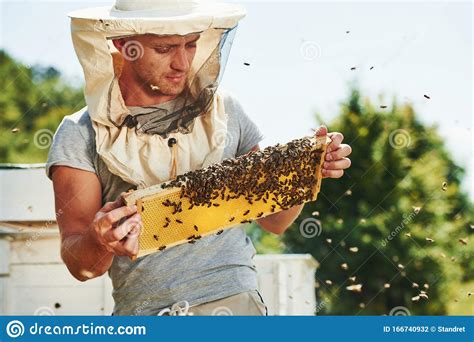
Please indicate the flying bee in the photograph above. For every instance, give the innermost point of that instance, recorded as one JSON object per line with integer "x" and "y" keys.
{"x": 354, "y": 288}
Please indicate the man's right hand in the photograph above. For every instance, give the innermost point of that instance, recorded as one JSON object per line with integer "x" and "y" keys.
{"x": 91, "y": 233}
{"x": 116, "y": 227}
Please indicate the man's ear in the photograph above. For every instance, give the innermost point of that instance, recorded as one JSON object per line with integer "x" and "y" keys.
{"x": 118, "y": 43}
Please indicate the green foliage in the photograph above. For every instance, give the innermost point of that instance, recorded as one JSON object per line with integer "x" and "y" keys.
{"x": 401, "y": 190}
{"x": 33, "y": 101}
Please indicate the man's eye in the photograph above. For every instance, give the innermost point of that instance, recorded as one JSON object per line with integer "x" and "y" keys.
{"x": 191, "y": 46}
{"x": 162, "y": 49}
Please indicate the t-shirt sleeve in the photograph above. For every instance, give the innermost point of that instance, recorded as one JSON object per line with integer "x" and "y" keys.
{"x": 250, "y": 135}
{"x": 70, "y": 148}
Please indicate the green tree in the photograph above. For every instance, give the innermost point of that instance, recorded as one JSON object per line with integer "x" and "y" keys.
{"x": 395, "y": 218}
{"x": 33, "y": 101}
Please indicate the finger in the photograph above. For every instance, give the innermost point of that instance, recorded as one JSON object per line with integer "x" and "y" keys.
{"x": 115, "y": 215}
{"x": 118, "y": 233}
{"x": 131, "y": 244}
{"x": 336, "y": 138}
{"x": 110, "y": 206}
{"x": 343, "y": 151}
{"x": 119, "y": 250}
{"x": 321, "y": 130}
{"x": 332, "y": 173}
{"x": 340, "y": 164}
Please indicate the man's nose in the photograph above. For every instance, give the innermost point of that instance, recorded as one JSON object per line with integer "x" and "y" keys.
{"x": 180, "y": 60}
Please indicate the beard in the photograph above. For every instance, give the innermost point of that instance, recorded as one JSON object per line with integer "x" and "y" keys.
{"x": 168, "y": 87}
{"x": 159, "y": 83}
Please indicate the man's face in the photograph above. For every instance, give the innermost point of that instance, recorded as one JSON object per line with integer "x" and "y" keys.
{"x": 164, "y": 63}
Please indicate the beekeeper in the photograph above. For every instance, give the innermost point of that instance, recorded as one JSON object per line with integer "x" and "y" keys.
{"x": 154, "y": 111}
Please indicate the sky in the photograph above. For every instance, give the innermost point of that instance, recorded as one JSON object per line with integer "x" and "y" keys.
{"x": 300, "y": 57}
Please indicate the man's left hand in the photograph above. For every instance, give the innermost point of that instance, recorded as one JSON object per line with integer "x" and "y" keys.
{"x": 336, "y": 155}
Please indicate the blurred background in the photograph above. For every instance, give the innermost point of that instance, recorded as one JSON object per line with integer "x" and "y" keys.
{"x": 395, "y": 232}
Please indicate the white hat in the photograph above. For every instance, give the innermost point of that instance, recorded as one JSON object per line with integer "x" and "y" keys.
{"x": 175, "y": 16}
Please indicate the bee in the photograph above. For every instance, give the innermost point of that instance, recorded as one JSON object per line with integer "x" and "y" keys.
{"x": 215, "y": 204}
{"x": 232, "y": 219}
{"x": 423, "y": 295}
{"x": 427, "y": 97}
{"x": 246, "y": 212}
{"x": 444, "y": 186}
{"x": 155, "y": 237}
{"x": 161, "y": 248}
{"x": 354, "y": 288}
{"x": 196, "y": 228}
{"x": 166, "y": 224}
{"x": 220, "y": 232}
{"x": 192, "y": 241}
{"x": 179, "y": 221}
{"x": 260, "y": 215}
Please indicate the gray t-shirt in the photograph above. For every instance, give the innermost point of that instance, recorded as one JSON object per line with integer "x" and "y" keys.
{"x": 214, "y": 267}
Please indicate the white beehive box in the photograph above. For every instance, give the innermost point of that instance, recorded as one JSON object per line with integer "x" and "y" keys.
{"x": 34, "y": 280}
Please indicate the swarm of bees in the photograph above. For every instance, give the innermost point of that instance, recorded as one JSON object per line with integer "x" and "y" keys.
{"x": 203, "y": 186}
